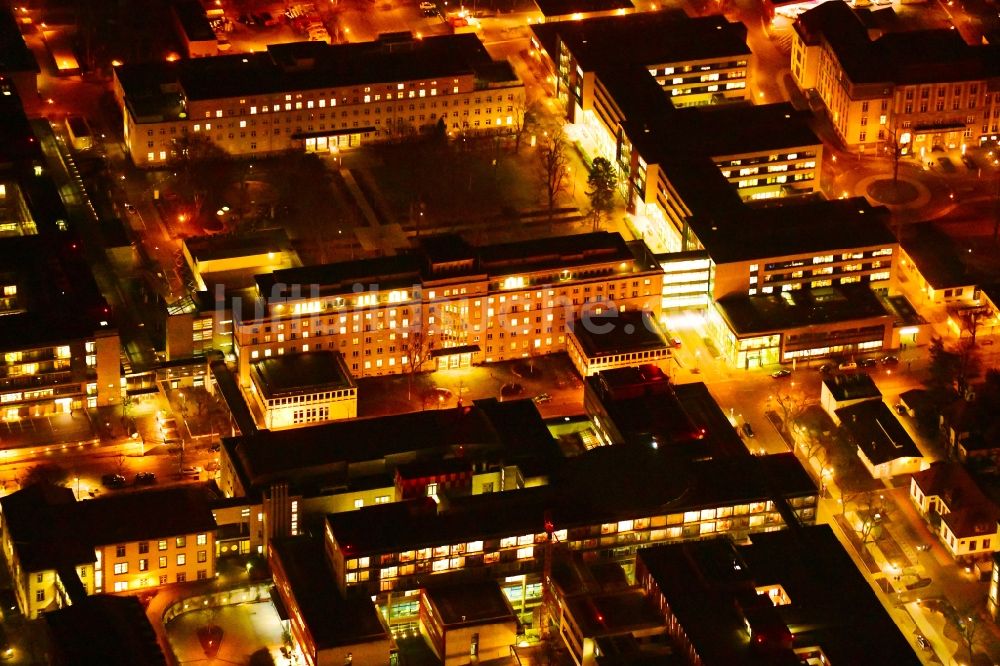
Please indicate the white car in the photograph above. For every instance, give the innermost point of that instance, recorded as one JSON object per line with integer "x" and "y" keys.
{"x": 427, "y": 6}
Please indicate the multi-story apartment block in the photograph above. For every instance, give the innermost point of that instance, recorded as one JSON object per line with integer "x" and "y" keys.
{"x": 59, "y": 349}
{"x": 928, "y": 88}
{"x": 446, "y": 299}
{"x": 316, "y": 97}
{"x": 59, "y": 549}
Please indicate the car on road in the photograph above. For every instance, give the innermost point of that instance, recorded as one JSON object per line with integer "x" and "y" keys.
{"x": 900, "y": 409}
{"x": 923, "y": 547}
{"x": 129, "y": 208}
{"x": 190, "y": 471}
{"x": 145, "y": 478}
{"x": 988, "y": 342}
{"x": 676, "y": 342}
{"x": 946, "y": 164}
{"x": 848, "y": 365}
{"x": 113, "y": 481}
{"x": 748, "y": 430}
{"x": 867, "y": 363}
{"x": 969, "y": 163}
{"x": 890, "y": 360}
{"x": 542, "y": 397}
{"x": 923, "y": 642}
{"x": 512, "y": 389}
{"x": 826, "y": 368}
{"x": 428, "y": 8}
{"x": 781, "y": 374}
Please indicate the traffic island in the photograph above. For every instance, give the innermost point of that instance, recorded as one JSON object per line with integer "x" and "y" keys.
{"x": 898, "y": 193}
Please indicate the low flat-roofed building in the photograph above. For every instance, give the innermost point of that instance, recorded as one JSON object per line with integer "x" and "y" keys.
{"x": 614, "y": 495}
{"x": 883, "y": 444}
{"x": 844, "y": 390}
{"x": 102, "y": 629}
{"x": 295, "y": 390}
{"x": 192, "y": 26}
{"x": 58, "y": 548}
{"x": 234, "y": 260}
{"x": 934, "y": 269}
{"x": 967, "y": 518}
{"x": 467, "y": 620}
{"x": 640, "y": 407}
{"x": 801, "y": 324}
{"x": 618, "y": 339}
{"x": 587, "y": 618}
{"x": 770, "y": 602}
{"x": 329, "y": 628}
{"x": 575, "y": 10}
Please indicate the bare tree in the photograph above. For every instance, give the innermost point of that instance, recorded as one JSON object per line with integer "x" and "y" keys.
{"x": 894, "y": 151}
{"x": 873, "y": 509}
{"x": 521, "y": 118}
{"x": 791, "y": 406}
{"x": 121, "y": 464}
{"x": 416, "y": 349}
{"x": 45, "y": 473}
{"x": 553, "y": 163}
{"x": 967, "y": 623}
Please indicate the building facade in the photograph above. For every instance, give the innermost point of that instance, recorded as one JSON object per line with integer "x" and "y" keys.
{"x": 925, "y": 89}
{"x": 512, "y": 301}
{"x": 305, "y": 96}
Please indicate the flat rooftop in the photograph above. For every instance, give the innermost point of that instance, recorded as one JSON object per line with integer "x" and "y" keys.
{"x": 613, "y": 613}
{"x": 469, "y": 603}
{"x": 790, "y": 227}
{"x": 325, "y": 454}
{"x": 711, "y": 587}
{"x": 735, "y": 129}
{"x": 799, "y": 308}
{"x": 104, "y": 629}
{"x": 302, "y": 373}
{"x": 57, "y": 300}
{"x": 936, "y": 257}
{"x": 877, "y": 432}
{"x": 550, "y": 8}
{"x": 852, "y": 386}
{"x": 618, "y": 333}
{"x": 231, "y": 246}
{"x": 191, "y": 16}
{"x": 683, "y": 419}
{"x": 333, "y": 619}
{"x": 606, "y": 484}
{"x": 653, "y": 38}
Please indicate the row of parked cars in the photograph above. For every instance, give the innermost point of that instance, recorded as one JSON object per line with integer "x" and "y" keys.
{"x": 844, "y": 366}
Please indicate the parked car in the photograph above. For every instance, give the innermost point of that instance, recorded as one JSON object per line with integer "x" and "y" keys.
{"x": 923, "y": 547}
{"x": 113, "y": 481}
{"x": 748, "y": 430}
{"x": 145, "y": 478}
{"x": 676, "y": 342}
{"x": 969, "y": 162}
{"x": 946, "y": 164}
{"x": 190, "y": 471}
{"x": 848, "y": 365}
{"x": 826, "y": 368}
{"x": 781, "y": 374}
{"x": 867, "y": 363}
{"x": 901, "y": 409}
{"x": 542, "y": 397}
{"x": 923, "y": 642}
{"x": 890, "y": 360}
